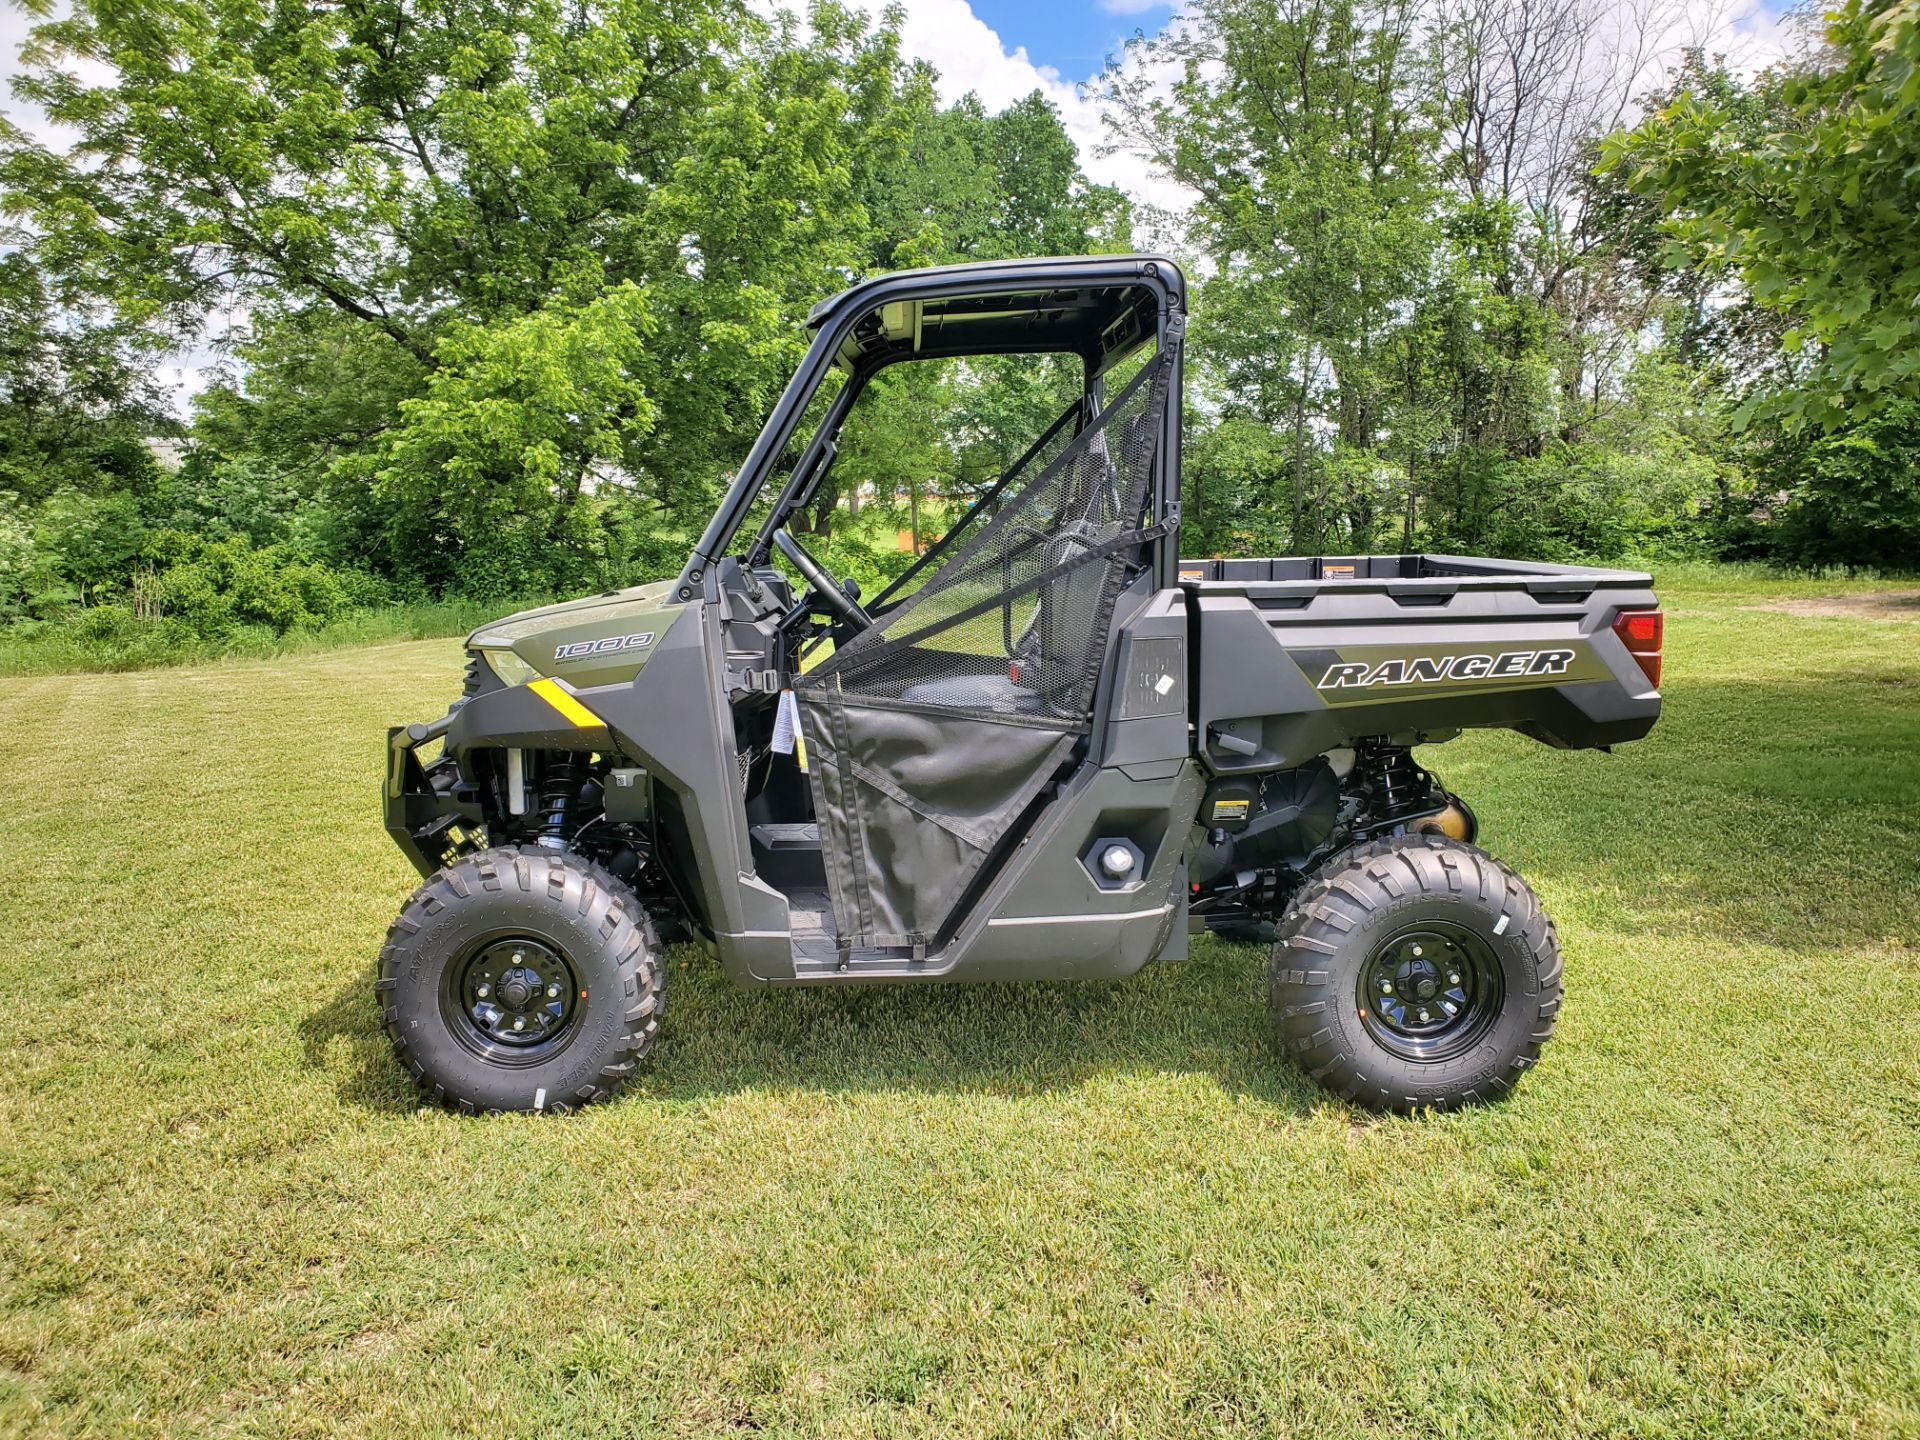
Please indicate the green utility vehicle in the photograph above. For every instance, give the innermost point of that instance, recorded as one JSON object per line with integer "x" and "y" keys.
{"x": 1050, "y": 750}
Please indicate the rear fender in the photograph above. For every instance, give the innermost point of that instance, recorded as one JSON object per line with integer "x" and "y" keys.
{"x": 1278, "y": 684}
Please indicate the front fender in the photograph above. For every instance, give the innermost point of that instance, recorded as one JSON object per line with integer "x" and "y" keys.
{"x": 672, "y": 719}
{"x": 542, "y": 715}
{"x": 424, "y": 806}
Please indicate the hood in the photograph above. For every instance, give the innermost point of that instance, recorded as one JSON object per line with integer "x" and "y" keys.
{"x": 607, "y": 606}
{"x": 598, "y": 640}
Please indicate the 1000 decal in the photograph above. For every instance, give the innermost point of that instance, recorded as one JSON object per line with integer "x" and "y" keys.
{"x": 609, "y": 645}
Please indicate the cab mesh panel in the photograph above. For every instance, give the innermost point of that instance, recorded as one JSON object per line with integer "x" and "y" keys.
{"x": 1013, "y": 623}
{"x": 1043, "y": 452}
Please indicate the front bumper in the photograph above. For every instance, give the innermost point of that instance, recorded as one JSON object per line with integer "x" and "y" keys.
{"x": 427, "y": 816}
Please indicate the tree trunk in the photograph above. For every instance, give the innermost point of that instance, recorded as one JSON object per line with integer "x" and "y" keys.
{"x": 1300, "y": 457}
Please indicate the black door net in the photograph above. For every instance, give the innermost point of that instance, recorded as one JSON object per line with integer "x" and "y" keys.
{"x": 1042, "y": 453}
{"x": 934, "y": 729}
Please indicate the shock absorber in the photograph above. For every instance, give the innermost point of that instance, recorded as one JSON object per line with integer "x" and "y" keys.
{"x": 561, "y": 776}
{"x": 1399, "y": 786}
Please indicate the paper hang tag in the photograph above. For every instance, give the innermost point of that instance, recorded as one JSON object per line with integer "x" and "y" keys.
{"x": 786, "y": 723}
{"x": 787, "y": 736}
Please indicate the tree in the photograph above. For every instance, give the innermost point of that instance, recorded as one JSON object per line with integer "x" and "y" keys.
{"x": 77, "y": 395}
{"x": 1814, "y": 213}
{"x": 478, "y": 185}
{"x": 1292, "y": 121}
{"x": 966, "y": 185}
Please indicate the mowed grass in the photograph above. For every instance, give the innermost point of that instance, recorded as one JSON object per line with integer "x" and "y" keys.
{"x": 960, "y": 1212}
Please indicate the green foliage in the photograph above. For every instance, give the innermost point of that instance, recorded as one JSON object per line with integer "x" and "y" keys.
{"x": 1813, "y": 211}
{"x": 216, "y": 585}
{"x": 113, "y": 637}
{"x": 1403, "y": 340}
{"x": 1850, "y": 499}
{"x": 484, "y": 474}
{"x": 520, "y": 282}
{"x": 247, "y": 496}
{"x": 1236, "y": 473}
{"x": 75, "y": 396}
{"x": 19, "y": 563}
{"x": 447, "y": 191}
{"x": 1316, "y": 206}
{"x": 91, "y": 541}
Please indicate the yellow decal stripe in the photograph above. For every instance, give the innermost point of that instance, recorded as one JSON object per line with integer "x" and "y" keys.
{"x": 562, "y": 699}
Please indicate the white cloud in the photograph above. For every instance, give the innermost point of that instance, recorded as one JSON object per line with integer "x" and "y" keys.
{"x": 1751, "y": 35}
{"x": 971, "y": 56}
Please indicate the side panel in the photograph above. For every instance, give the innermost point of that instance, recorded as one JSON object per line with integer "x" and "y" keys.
{"x": 1051, "y": 913}
{"x": 1051, "y": 920}
{"x": 1288, "y": 671}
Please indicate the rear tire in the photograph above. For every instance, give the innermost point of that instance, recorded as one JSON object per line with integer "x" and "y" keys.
{"x": 521, "y": 979}
{"x": 1415, "y": 973}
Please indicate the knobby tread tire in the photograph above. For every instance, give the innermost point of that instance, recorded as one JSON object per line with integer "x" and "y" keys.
{"x": 1324, "y": 939}
{"x": 605, "y": 915}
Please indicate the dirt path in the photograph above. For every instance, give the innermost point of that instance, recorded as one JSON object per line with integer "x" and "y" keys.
{"x": 1876, "y": 605}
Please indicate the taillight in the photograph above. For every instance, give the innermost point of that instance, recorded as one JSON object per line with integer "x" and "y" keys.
{"x": 1641, "y": 631}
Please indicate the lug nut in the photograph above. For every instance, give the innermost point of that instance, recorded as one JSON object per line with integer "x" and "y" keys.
{"x": 1423, "y": 1015}
{"x": 1417, "y": 950}
{"x": 1386, "y": 987}
{"x": 1453, "y": 978}
{"x": 484, "y": 991}
{"x": 553, "y": 992}
{"x": 520, "y": 1021}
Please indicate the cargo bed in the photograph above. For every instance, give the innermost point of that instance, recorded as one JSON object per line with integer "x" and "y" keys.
{"x": 1318, "y": 569}
{"x": 1299, "y": 654}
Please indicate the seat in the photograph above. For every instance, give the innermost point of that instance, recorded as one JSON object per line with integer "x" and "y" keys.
{"x": 991, "y": 691}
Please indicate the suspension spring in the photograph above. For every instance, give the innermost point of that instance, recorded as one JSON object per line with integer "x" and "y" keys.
{"x": 560, "y": 780}
{"x": 1399, "y": 786}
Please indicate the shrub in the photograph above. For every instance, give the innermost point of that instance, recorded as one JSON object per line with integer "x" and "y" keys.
{"x": 216, "y": 585}
{"x": 103, "y": 622}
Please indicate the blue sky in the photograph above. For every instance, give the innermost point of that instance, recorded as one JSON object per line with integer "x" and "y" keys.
{"x": 1071, "y": 36}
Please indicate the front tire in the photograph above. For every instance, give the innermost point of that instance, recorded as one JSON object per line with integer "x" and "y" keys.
{"x": 521, "y": 979}
{"x": 1415, "y": 973}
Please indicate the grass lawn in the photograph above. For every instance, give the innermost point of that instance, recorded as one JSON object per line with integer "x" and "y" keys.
{"x": 1103, "y": 1210}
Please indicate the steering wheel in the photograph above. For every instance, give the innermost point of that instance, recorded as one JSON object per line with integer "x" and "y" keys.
{"x": 823, "y": 584}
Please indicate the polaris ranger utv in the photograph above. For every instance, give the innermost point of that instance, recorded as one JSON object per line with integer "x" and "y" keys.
{"x": 1049, "y": 750}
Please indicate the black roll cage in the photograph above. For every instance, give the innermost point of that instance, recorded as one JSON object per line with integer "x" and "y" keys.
{"x": 833, "y": 322}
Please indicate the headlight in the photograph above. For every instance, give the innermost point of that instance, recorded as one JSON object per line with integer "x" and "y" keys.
{"x": 511, "y": 669}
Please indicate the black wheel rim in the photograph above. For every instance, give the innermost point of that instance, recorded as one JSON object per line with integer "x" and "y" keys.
{"x": 1431, "y": 991}
{"x": 513, "y": 999}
